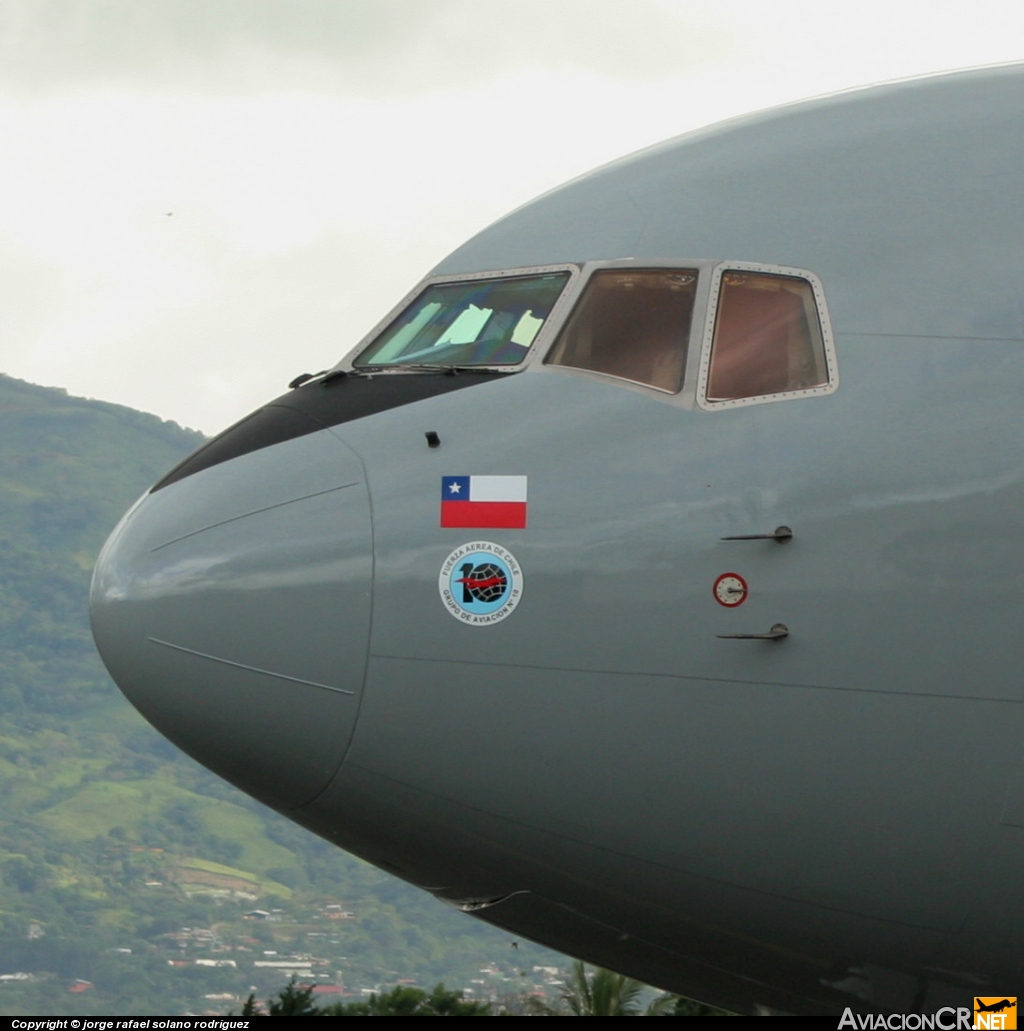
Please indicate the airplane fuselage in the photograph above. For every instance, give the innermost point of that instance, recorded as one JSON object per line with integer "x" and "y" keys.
{"x": 626, "y": 763}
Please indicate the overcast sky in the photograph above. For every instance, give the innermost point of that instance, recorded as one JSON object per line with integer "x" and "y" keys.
{"x": 200, "y": 199}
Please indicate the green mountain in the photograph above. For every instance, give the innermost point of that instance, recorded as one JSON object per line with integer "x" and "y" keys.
{"x": 131, "y": 880}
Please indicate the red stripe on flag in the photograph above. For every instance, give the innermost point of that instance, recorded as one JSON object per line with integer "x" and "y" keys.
{"x": 483, "y": 515}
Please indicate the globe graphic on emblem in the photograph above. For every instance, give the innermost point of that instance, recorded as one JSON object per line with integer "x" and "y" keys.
{"x": 486, "y": 582}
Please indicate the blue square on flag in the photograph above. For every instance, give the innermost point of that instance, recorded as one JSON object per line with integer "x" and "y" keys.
{"x": 455, "y": 488}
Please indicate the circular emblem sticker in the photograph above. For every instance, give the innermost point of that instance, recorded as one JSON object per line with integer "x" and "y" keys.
{"x": 480, "y": 583}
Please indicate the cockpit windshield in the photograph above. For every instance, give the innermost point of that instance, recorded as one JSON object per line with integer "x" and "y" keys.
{"x": 477, "y": 322}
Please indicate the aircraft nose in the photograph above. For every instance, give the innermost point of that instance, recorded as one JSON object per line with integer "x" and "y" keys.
{"x": 232, "y": 608}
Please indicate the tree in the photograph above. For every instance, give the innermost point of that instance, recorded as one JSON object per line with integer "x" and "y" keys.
{"x": 402, "y": 1001}
{"x": 601, "y": 994}
{"x": 292, "y": 1001}
{"x": 607, "y": 994}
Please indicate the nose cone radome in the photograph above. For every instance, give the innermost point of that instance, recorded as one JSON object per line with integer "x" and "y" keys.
{"x": 232, "y": 608}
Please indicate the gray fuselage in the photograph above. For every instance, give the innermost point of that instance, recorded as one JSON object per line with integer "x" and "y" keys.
{"x": 832, "y": 819}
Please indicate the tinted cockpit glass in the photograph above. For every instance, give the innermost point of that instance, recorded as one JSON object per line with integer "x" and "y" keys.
{"x": 482, "y": 322}
{"x": 631, "y": 324}
{"x": 767, "y": 338}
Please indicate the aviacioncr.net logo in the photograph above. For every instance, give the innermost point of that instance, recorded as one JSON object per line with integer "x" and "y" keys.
{"x": 947, "y": 1018}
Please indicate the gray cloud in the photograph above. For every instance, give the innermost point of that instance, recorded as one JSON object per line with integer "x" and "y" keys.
{"x": 373, "y": 47}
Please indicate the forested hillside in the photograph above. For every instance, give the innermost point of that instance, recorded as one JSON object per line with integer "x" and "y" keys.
{"x": 131, "y": 880}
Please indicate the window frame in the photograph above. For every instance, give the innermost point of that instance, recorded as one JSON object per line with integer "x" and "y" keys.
{"x": 693, "y": 393}
{"x": 684, "y": 397}
{"x": 594, "y": 268}
{"x": 539, "y": 346}
{"x": 713, "y": 295}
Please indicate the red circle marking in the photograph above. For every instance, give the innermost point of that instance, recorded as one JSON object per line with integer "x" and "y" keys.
{"x": 736, "y": 596}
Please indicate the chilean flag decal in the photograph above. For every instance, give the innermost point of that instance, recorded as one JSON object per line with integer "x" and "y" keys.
{"x": 483, "y": 502}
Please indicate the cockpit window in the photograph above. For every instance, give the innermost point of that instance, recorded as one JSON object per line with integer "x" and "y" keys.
{"x": 479, "y": 322}
{"x": 633, "y": 324}
{"x": 767, "y": 338}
